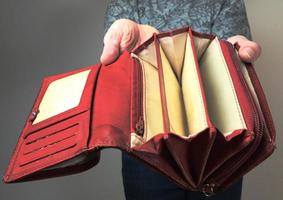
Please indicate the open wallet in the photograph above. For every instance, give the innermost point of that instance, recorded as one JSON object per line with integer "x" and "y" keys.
{"x": 182, "y": 103}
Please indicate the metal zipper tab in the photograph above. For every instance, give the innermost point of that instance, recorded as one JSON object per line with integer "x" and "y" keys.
{"x": 138, "y": 100}
{"x": 33, "y": 115}
{"x": 208, "y": 189}
{"x": 139, "y": 128}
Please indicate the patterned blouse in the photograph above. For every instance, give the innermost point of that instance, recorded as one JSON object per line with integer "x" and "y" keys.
{"x": 223, "y": 18}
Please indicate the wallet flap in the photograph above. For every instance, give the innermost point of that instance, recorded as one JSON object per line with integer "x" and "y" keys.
{"x": 62, "y": 129}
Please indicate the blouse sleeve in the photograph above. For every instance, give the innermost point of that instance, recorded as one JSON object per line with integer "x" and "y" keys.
{"x": 232, "y": 20}
{"x": 119, "y": 9}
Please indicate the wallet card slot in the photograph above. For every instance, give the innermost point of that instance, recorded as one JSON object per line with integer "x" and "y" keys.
{"x": 48, "y": 144}
{"x": 49, "y": 139}
{"x": 49, "y": 151}
{"x": 48, "y": 132}
{"x": 71, "y": 133}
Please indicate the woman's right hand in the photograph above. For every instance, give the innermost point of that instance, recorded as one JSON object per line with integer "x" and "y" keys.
{"x": 122, "y": 35}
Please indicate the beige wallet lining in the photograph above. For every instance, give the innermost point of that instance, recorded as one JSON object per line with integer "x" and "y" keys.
{"x": 185, "y": 104}
{"x": 54, "y": 100}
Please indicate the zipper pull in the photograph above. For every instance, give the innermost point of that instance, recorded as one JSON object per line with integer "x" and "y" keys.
{"x": 139, "y": 128}
{"x": 208, "y": 189}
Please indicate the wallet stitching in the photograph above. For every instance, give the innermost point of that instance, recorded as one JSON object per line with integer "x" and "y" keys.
{"x": 231, "y": 84}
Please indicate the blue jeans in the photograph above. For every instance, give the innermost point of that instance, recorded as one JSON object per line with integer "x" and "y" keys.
{"x": 142, "y": 183}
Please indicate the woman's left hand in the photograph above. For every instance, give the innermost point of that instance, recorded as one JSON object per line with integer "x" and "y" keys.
{"x": 249, "y": 51}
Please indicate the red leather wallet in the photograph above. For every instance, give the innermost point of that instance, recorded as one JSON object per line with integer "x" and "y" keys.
{"x": 182, "y": 103}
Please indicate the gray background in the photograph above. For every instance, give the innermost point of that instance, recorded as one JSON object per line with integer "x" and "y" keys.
{"x": 40, "y": 38}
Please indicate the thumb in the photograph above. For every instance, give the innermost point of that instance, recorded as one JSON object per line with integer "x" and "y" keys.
{"x": 112, "y": 40}
{"x": 249, "y": 51}
{"x": 122, "y": 35}
{"x": 247, "y": 54}
{"x": 110, "y": 53}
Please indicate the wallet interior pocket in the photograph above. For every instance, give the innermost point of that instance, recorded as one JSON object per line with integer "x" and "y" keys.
{"x": 198, "y": 91}
{"x": 182, "y": 96}
{"x": 223, "y": 104}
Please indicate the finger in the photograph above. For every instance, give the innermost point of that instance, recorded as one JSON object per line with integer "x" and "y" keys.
{"x": 247, "y": 54}
{"x": 146, "y": 32}
{"x": 121, "y": 36}
{"x": 130, "y": 36}
{"x": 110, "y": 53}
{"x": 237, "y": 38}
{"x": 111, "y": 49}
{"x": 249, "y": 51}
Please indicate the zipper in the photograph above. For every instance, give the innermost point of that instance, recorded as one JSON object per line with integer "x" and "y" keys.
{"x": 259, "y": 128}
{"x": 138, "y": 91}
{"x": 241, "y": 160}
{"x": 208, "y": 189}
{"x": 266, "y": 114}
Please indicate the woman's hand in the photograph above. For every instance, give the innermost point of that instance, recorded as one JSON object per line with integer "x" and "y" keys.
{"x": 249, "y": 51}
{"x": 123, "y": 35}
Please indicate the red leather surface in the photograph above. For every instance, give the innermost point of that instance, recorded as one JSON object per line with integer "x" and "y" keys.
{"x": 111, "y": 105}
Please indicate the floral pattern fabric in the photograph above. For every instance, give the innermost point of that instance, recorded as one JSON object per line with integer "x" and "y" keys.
{"x": 223, "y": 18}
